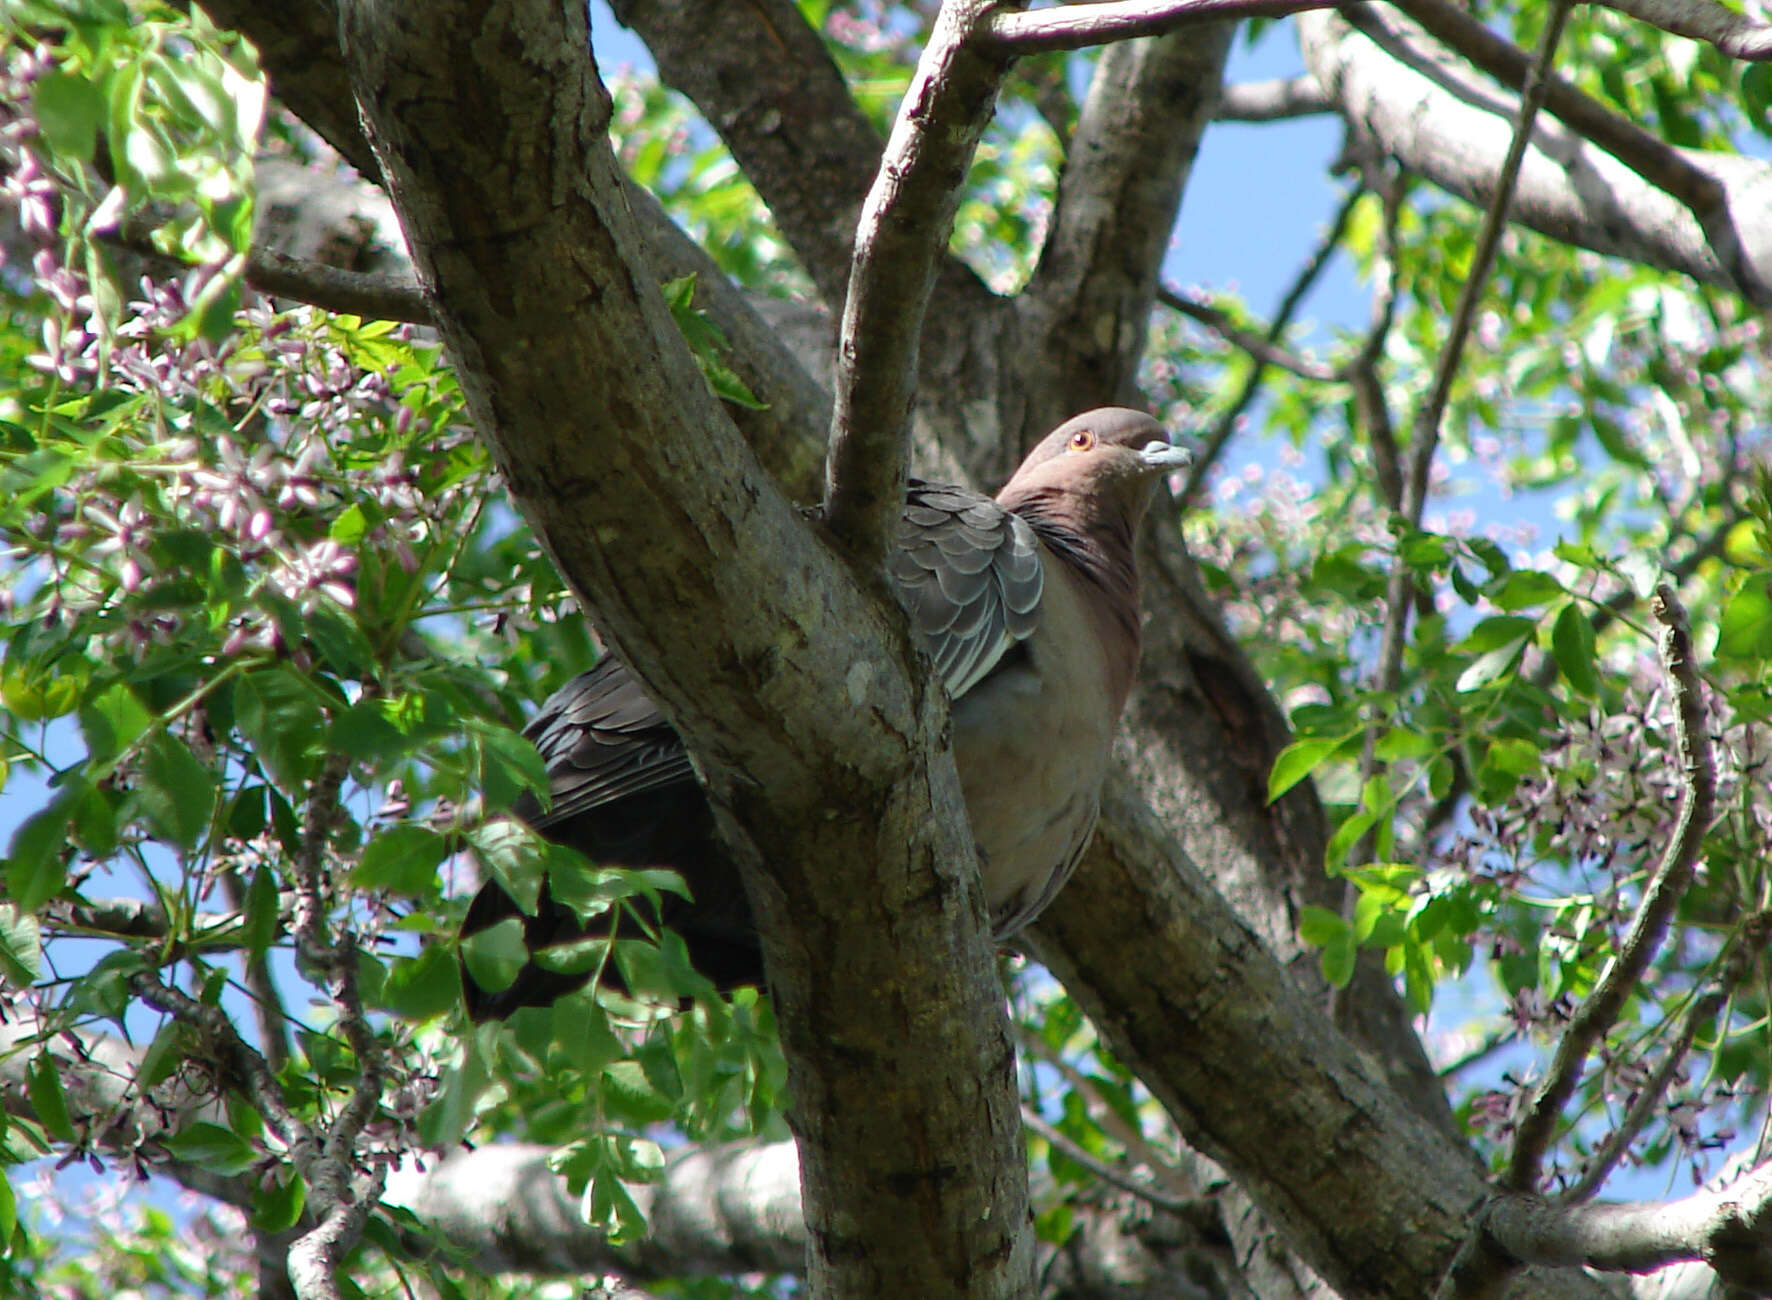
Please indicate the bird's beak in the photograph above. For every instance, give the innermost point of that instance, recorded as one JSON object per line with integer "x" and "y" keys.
{"x": 1166, "y": 457}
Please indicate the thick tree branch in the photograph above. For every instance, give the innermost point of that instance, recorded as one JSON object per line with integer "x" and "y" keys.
{"x": 1415, "y": 103}
{"x": 1730, "y": 1228}
{"x": 1737, "y": 35}
{"x": 1188, "y": 996}
{"x": 900, "y": 241}
{"x": 298, "y": 47}
{"x": 371, "y": 294}
{"x": 1642, "y": 151}
{"x": 764, "y": 80}
{"x": 492, "y": 130}
{"x": 1599, "y": 1011}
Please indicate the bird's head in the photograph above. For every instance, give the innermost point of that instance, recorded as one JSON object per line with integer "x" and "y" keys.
{"x": 1102, "y": 462}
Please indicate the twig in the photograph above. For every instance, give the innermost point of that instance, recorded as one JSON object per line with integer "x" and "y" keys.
{"x": 1213, "y": 444}
{"x": 1742, "y": 957}
{"x": 900, "y": 240}
{"x": 1074, "y": 26}
{"x": 1737, "y": 35}
{"x": 1129, "y": 1136}
{"x": 1075, "y": 1152}
{"x": 1362, "y": 371}
{"x": 1598, "y": 1012}
{"x": 247, "y": 1069}
{"x": 267, "y": 1001}
{"x": 1271, "y": 101}
{"x": 1256, "y": 345}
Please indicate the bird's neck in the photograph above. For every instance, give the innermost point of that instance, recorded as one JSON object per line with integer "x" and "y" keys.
{"x": 1099, "y": 551}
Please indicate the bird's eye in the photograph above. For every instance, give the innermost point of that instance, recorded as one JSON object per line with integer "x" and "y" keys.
{"x": 1083, "y": 440}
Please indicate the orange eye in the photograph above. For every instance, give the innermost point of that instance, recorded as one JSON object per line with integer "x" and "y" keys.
{"x": 1082, "y": 440}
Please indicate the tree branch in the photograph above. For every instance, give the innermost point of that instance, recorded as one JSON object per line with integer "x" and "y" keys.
{"x": 764, "y": 80}
{"x": 1598, "y": 1011}
{"x": 1258, "y": 346}
{"x": 1409, "y": 97}
{"x": 374, "y": 295}
{"x": 1737, "y": 35}
{"x": 492, "y": 129}
{"x": 1272, "y": 101}
{"x": 901, "y": 239}
{"x": 1072, "y": 27}
{"x": 1727, "y": 1227}
{"x": 1739, "y": 960}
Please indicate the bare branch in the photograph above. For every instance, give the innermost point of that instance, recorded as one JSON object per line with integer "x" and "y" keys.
{"x": 1426, "y": 433}
{"x": 1272, "y": 101}
{"x": 901, "y": 239}
{"x": 1739, "y": 961}
{"x": 1078, "y": 1154}
{"x": 1072, "y": 27}
{"x": 1737, "y": 35}
{"x": 1654, "y": 160}
{"x": 1727, "y": 1227}
{"x": 1402, "y": 592}
{"x": 373, "y": 295}
{"x": 1598, "y": 1012}
{"x": 1256, "y": 345}
{"x": 246, "y": 1069}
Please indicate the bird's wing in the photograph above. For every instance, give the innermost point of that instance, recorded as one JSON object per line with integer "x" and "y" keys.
{"x": 969, "y": 575}
{"x": 968, "y": 572}
{"x": 602, "y": 739}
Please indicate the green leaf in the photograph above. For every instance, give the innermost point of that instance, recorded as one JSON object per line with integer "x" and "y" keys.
{"x": 70, "y": 110}
{"x": 21, "y": 947}
{"x": 112, "y": 721}
{"x": 262, "y": 918}
{"x": 212, "y": 1148}
{"x": 515, "y": 855}
{"x": 402, "y": 859}
{"x": 1526, "y": 588}
{"x": 1298, "y": 760}
{"x": 278, "y": 1207}
{"x": 36, "y": 868}
{"x": 1491, "y": 666}
{"x": 1338, "y": 960}
{"x": 423, "y": 986}
{"x": 509, "y": 764}
{"x": 1572, "y": 644}
{"x": 48, "y": 1103}
{"x": 494, "y": 955}
{"x": 176, "y": 791}
{"x": 8, "y": 1215}
{"x": 280, "y": 719}
{"x": 1319, "y": 927}
{"x": 1745, "y": 629}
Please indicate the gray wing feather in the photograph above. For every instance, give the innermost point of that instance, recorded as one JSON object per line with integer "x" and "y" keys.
{"x": 602, "y": 739}
{"x": 968, "y": 572}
